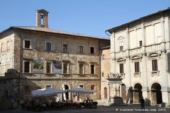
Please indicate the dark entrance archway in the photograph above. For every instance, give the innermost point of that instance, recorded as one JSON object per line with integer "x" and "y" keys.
{"x": 123, "y": 87}
{"x": 105, "y": 93}
{"x": 156, "y": 94}
{"x": 66, "y": 95}
{"x": 137, "y": 93}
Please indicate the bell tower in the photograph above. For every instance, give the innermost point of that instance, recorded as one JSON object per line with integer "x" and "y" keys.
{"x": 42, "y": 18}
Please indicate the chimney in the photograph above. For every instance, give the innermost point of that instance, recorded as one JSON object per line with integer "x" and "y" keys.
{"x": 42, "y": 18}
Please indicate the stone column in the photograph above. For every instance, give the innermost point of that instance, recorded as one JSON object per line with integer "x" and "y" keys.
{"x": 165, "y": 99}
{"x": 108, "y": 92}
{"x": 145, "y": 94}
{"x": 120, "y": 90}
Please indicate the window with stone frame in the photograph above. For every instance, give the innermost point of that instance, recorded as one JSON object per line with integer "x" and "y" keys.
{"x": 80, "y": 50}
{"x": 48, "y": 67}
{"x": 81, "y": 86}
{"x": 27, "y": 44}
{"x": 154, "y": 65}
{"x": 92, "y": 50}
{"x": 92, "y": 87}
{"x": 140, "y": 43}
{"x": 65, "y": 48}
{"x": 102, "y": 74}
{"x": 48, "y": 46}
{"x": 121, "y": 67}
{"x": 137, "y": 67}
{"x": 48, "y": 86}
{"x": 65, "y": 67}
{"x": 120, "y": 46}
{"x": 92, "y": 67}
{"x": 81, "y": 68}
{"x": 27, "y": 66}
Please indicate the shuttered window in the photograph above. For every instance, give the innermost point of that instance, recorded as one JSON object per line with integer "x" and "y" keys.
{"x": 154, "y": 65}
{"x": 137, "y": 67}
{"x": 121, "y": 68}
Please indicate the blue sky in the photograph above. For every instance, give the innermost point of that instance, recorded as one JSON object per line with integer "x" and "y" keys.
{"x": 90, "y": 17}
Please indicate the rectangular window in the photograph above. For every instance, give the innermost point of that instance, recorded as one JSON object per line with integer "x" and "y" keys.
{"x": 48, "y": 46}
{"x": 121, "y": 48}
{"x": 92, "y": 50}
{"x": 81, "y": 86}
{"x": 48, "y": 67}
{"x": 154, "y": 65}
{"x": 80, "y": 49}
{"x": 140, "y": 43}
{"x": 121, "y": 68}
{"x": 48, "y": 86}
{"x": 92, "y": 69}
{"x": 92, "y": 87}
{"x": 102, "y": 74}
{"x": 65, "y": 68}
{"x": 26, "y": 67}
{"x": 64, "y": 47}
{"x": 137, "y": 67}
{"x": 27, "y": 44}
{"x": 81, "y": 71}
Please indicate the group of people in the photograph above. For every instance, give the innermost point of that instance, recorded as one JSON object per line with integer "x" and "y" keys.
{"x": 55, "y": 104}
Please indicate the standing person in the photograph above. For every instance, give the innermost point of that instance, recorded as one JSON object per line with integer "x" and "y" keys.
{"x": 57, "y": 99}
{"x": 142, "y": 102}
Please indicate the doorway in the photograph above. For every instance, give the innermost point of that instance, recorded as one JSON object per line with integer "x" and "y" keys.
{"x": 156, "y": 94}
{"x": 137, "y": 93}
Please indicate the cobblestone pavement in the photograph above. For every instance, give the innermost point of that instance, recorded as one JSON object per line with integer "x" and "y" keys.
{"x": 101, "y": 109}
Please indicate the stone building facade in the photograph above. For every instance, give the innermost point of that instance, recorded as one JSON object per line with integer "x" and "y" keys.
{"x": 140, "y": 54}
{"x": 32, "y": 51}
{"x": 105, "y": 71}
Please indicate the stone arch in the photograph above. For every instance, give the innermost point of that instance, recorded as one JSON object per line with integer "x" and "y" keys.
{"x": 156, "y": 94}
{"x": 66, "y": 96}
{"x": 151, "y": 83}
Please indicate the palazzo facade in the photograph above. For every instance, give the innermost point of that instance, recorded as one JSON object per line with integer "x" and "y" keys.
{"x": 140, "y": 54}
{"x": 32, "y": 52}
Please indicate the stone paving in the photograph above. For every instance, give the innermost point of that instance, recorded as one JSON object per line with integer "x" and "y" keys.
{"x": 102, "y": 109}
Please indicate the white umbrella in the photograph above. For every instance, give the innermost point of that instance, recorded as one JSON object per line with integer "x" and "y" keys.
{"x": 79, "y": 90}
{"x": 46, "y": 92}
{"x": 35, "y": 92}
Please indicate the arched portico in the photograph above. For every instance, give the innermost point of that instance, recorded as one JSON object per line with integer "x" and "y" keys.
{"x": 137, "y": 93}
{"x": 156, "y": 94}
{"x": 67, "y": 95}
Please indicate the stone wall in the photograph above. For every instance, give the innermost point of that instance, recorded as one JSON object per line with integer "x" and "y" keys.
{"x": 105, "y": 72}
{"x": 30, "y": 81}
